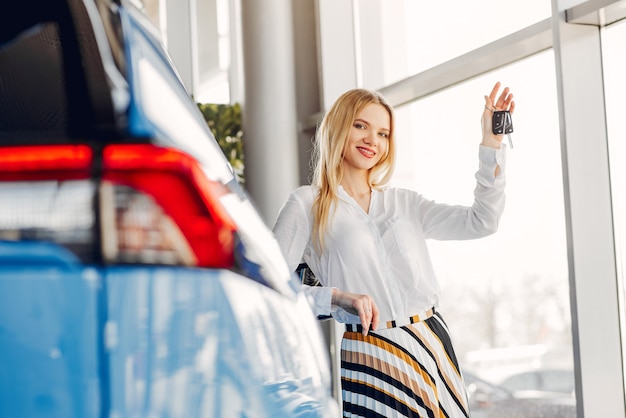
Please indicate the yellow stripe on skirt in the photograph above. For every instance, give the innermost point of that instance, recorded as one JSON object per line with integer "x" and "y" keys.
{"x": 407, "y": 371}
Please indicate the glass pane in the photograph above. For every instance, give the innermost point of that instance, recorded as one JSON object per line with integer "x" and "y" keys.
{"x": 615, "y": 87}
{"x": 435, "y": 32}
{"x": 504, "y": 297}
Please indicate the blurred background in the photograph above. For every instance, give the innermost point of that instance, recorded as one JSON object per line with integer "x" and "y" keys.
{"x": 539, "y": 306}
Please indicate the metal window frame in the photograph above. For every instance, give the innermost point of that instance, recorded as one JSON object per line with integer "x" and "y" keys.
{"x": 594, "y": 282}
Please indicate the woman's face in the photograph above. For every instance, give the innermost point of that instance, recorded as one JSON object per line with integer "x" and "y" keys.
{"x": 369, "y": 138}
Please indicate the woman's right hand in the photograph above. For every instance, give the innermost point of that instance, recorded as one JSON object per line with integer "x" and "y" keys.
{"x": 493, "y": 103}
{"x": 356, "y": 304}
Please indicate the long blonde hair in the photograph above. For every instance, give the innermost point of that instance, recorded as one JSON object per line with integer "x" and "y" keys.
{"x": 330, "y": 141}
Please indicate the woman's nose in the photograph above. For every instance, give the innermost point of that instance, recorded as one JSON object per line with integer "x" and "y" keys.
{"x": 371, "y": 138}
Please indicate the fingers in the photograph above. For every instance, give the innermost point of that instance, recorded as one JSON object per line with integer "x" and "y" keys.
{"x": 368, "y": 313}
{"x": 496, "y": 101}
{"x": 357, "y": 304}
{"x": 375, "y": 318}
{"x": 494, "y": 93}
{"x": 504, "y": 101}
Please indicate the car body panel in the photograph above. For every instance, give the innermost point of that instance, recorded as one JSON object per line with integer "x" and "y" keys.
{"x": 197, "y": 342}
{"x": 176, "y": 342}
{"x": 49, "y": 334}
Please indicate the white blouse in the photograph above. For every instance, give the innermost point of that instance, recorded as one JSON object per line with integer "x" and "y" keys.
{"x": 383, "y": 253}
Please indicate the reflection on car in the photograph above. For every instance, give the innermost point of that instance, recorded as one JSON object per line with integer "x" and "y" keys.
{"x": 136, "y": 277}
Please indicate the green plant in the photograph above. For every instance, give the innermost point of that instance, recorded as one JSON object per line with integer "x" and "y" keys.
{"x": 224, "y": 120}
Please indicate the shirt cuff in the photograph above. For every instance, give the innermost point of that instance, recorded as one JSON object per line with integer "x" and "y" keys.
{"x": 489, "y": 158}
{"x": 319, "y": 299}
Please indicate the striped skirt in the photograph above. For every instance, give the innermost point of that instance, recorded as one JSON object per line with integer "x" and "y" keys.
{"x": 406, "y": 371}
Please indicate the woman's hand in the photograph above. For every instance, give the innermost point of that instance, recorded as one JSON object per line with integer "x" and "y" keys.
{"x": 361, "y": 305}
{"x": 504, "y": 102}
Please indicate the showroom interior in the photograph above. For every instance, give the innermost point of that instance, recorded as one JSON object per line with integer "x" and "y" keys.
{"x": 546, "y": 291}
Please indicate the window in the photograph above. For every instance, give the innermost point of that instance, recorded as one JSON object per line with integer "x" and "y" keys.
{"x": 505, "y": 297}
{"x": 418, "y": 35}
{"x": 615, "y": 88}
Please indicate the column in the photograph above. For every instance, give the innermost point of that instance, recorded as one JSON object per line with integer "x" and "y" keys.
{"x": 269, "y": 107}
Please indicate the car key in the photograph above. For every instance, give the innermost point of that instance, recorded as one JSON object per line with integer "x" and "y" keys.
{"x": 502, "y": 123}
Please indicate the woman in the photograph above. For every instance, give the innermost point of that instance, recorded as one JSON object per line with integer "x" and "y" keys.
{"x": 365, "y": 242}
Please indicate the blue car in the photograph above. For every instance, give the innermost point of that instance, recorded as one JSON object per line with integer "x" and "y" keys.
{"x": 136, "y": 277}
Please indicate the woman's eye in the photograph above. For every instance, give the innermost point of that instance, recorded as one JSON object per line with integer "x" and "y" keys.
{"x": 384, "y": 134}
{"x": 359, "y": 125}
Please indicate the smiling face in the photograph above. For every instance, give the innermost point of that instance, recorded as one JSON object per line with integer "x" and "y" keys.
{"x": 368, "y": 140}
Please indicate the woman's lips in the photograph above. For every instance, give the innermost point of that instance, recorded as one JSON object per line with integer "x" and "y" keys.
{"x": 366, "y": 152}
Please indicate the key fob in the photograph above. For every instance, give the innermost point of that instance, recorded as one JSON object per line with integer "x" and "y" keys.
{"x": 501, "y": 122}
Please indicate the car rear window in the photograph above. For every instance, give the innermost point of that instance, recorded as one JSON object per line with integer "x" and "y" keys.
{"x": 32, "y": 98}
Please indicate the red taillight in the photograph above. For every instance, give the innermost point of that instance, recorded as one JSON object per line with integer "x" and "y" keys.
{"x": 60, "y": 162}
{"x": 156, "y": 205}
{"x": 176, "y": 183}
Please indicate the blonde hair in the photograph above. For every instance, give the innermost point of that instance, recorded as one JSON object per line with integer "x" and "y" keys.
{"x": 330, "y": 141}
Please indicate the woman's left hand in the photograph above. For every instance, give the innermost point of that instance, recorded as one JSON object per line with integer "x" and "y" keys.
{"x": 504, "y": 102}
{"x": 358, "y": 304}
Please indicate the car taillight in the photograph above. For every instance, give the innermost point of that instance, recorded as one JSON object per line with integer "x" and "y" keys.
{"x": 50, "y": 211}
{"x": 58, "y": 162}
{"x": 154, "y": 205}
{"x": 46, "y": 194}
{"x": 164, "y": 208}
{"x": 136, "y": 230}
